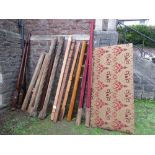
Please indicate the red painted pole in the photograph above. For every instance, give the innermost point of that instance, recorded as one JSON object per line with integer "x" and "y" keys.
{"x": 88, "y": 101}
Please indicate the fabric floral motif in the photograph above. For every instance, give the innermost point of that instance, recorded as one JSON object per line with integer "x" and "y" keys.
{"x": 118, "y": 68}
{"x": 118, "y": 105}
{"x": 118, "y": 85}
{"x": 101, "y": 68}
{"x": 100, "y": 103}
{"x": 118, "y": 124}
{"x": 99, "y": 122}
{"x": 112, "y": 102}
{"x": 118, "y": 50}
{"x": 100, "y": 85}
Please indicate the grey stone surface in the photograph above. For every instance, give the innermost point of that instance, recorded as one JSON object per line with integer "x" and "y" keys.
{"x": 144, "y": 74}
{"x": 105, "y": 38}
{"x": 10, "y": 59}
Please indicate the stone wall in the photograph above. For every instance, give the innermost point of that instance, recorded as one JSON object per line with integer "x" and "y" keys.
{"x": 10, "y": 59}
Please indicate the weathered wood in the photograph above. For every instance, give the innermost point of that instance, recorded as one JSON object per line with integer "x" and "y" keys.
{"x": 33, "y": 111}
{"x": 19, "y": 84}
{"x": 35, "y": 90}
{"x": 47, "y": 78}
{"x": 64, "y": 82}
{"x": 60, "y": 78}
{"x": 79, "y": 116}
{"x": 88, "y": 101}
{"x": 62, "y": 111}
{"x": 79, "y": 113}
{"x": 32, "y": 83}
{"x": 78, "y": 72}
{"x": 43, "y": 112}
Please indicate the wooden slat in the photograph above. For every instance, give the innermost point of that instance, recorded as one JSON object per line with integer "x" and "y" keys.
{"x": 64, "y": 82}
{"x": 72, "y": 102}
{"x": 33, "y": 111}
{"x": 43, "y": 112}
{"x": 79, "y": 114}
{"x": 35, "y": 90}
{"x": 32, "y": 83}
{"x": 62, "y": 111}
{"x": 88, "y": 101}
{"x": 60, "y": 78}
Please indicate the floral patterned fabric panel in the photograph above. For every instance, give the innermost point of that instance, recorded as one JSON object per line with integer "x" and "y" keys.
{"x": 112, "y": 103}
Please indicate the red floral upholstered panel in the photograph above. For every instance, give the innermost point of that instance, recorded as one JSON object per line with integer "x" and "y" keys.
{"x": 112, "y": 104}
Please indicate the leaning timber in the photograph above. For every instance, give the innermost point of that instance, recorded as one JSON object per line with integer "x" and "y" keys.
{"x": 16, "y": 95}
{"x": 43, "y": 112}
{"x": 62, "y": 110}
{"x": 64, "y": 81}
{"x": 35, "y": 89}
{"x": 61, "y": 78}
{"x": 33, "y": 111}
{"x": 32, "y": 83}
{"x": 77, "y": 78}
{"x": 88, "y": 100}
{"x": 79, "y": 113}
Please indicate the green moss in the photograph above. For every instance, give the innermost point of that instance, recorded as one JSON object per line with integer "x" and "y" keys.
{"x": 20, "y": 123}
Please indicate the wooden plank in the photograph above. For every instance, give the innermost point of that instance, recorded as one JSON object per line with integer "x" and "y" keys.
{"x": 33, "y": 111}
{"x": 79, "y": 114}
{"x": 64, "y": 81}
{"x": 43, "y": 112}
{"x": 62, "y": 111}
{"x": 78, "y": 72}
{"x": 32, "y": 83}
{"x": 88, "y": 101}
{"x": 61, "y": 77}
{"x": 35, "y": 90}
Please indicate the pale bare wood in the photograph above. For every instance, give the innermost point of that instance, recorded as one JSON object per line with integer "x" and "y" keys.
{"x": 35, "y": 90}
{"x": 78, "y": 118}
{"x": 77, "y": 78}
{"x": 64, "y": 82}
{"x": 43, "y": 112}
{"x": 33, "y": 111}
{"x": 62, "y": 110}
{"x": 61, "y": 77}
{"x": 32, "y": 83}
{"x": 87, "y": 121}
